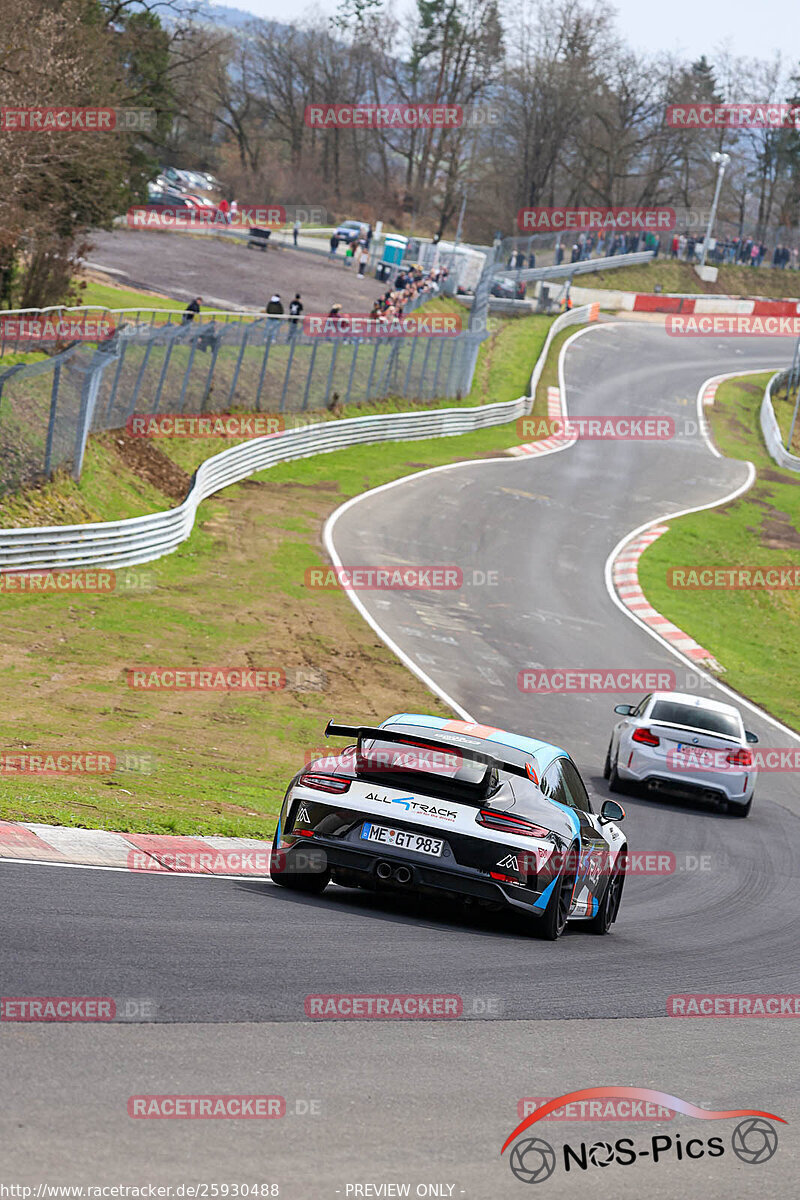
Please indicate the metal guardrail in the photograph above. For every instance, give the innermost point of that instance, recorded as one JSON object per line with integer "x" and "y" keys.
{"x": 566, "y": 270}
{"x": 771, "y": 430}
{"x": 135, "y": 540}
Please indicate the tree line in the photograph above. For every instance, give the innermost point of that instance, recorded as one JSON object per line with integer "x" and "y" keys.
{"x": 568, "y": 115}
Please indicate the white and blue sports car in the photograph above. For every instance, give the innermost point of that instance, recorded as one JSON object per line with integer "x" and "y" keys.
{"x": 445, "y": 808}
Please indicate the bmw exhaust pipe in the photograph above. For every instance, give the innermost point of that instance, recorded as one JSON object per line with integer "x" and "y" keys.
{"x": 402, "y": 875}
{"x": 383, "y": 871}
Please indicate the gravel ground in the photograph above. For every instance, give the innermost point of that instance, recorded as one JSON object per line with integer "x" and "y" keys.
{"x": 227, "y": 273}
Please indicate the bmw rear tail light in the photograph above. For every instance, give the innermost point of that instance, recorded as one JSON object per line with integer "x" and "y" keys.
{"x": 506, "y": 823}
{"x": 645, "y": 737}
{"x": 740, "y": 758}
{"x": 324, "y": 783}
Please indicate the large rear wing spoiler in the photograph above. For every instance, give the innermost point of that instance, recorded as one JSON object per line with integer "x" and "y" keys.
{"x": 528, "y": 771}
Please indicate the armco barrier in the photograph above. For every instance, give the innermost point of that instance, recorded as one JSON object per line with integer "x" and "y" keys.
{"x": 771, "y": 430}
{"x": 141, "y": 539}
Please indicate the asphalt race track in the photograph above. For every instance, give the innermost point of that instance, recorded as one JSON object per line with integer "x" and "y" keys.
{"x": 225, "y": 965}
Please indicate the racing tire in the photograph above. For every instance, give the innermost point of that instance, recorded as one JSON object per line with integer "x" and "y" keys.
{"x": 553, "y": 921}
{"x": 739, "y": 810}
{"x": 615, "y": 784}
{"x": 313, "y": 883}
{"x": 607, "y": 765}
{"x": 607, "y": 913}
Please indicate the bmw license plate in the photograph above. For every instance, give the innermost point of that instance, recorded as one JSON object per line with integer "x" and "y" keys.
{"x": 698, "y": 756}
{"x": 418, "y": 842}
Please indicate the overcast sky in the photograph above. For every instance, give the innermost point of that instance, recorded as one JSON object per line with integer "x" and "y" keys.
{"x": 692, "y": 27}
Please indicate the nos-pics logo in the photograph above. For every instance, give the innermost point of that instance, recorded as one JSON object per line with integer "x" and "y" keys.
{"x": 533, "y": 1160}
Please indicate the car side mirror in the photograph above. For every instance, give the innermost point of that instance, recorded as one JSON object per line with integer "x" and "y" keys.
{"x": 624, "y": 710}
{"x": 751, "y": 737}
{"x": 611, "y": 811}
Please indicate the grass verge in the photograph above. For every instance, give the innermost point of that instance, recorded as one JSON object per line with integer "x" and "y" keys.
{"x": 233, "y": 595}
{"x": 675, "y": 276}
{"x": 755, "y": 634}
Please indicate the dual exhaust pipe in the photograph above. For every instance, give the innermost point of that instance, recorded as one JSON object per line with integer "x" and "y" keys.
{"x": 385, "y": 870}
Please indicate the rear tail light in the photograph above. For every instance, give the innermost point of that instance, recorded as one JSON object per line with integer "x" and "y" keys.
{"x": 645, "y": 737}
{"x": 324, "y": 783}
{"x": 740, "y": 758}
{"x": 506, "y": 823}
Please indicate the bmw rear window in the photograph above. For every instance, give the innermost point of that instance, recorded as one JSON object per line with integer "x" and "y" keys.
{"x": 671, "y": 712}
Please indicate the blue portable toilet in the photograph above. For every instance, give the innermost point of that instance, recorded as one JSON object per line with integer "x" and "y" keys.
{"x": 394, "y": 249}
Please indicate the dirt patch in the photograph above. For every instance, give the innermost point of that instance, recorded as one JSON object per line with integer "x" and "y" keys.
{"x": 778, "y": 532}
{"x": 151, "y": 464}
{"x": 768, "y": 475}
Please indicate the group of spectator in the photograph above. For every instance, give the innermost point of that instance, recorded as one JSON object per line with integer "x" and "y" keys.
{"x": 411, "y": 284}
{"x": 586, "y": 246}
{"x": 744, "y": 251}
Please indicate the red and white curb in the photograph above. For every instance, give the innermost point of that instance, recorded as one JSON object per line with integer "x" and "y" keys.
{"x": 140, "y": 852}
{"x": 710, "y": 391}
{"x": 556, "y": 441}
{"x": 626, "y": 584}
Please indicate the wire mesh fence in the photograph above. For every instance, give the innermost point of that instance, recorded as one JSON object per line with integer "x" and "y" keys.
{"x": 158, "y": 363}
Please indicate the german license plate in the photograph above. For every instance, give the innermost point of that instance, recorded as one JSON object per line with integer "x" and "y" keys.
{"x": 698, "y": 756}
{"x": 419, "y": 842}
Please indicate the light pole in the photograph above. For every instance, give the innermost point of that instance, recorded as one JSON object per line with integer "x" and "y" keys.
{"x": 722, "y": 161}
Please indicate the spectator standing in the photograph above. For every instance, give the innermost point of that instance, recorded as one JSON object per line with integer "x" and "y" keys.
{"x": 296, "y": 231}
{"x": 191, "y": 310}
{"x": 295, "y": 309}
{"x": 224, "y": 208}
{"x": 334, "y": 245}
{"x": 232, "y": 212}
{"x": 274, "y": 309}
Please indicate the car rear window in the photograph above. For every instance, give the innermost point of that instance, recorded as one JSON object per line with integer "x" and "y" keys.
{"x": 379, "y": 756}
{"x": 707, "y": 719}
